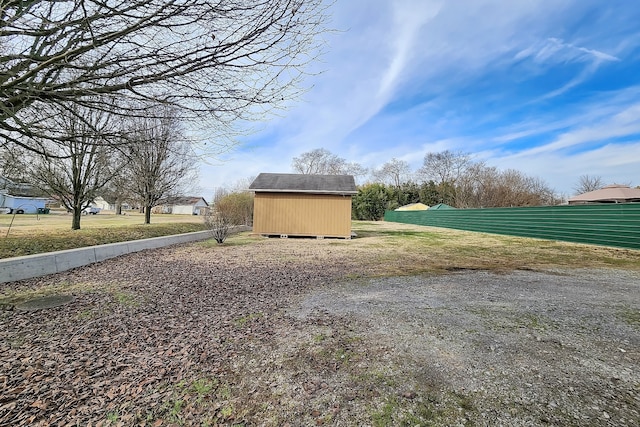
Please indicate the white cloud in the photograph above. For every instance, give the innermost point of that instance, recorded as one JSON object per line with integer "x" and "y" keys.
{"x": 622, "y": 124}
{"x": 393, "y": 50}
{"x": 615, "y": 163}
{"x": 409, "y": 19}
{"x": 554, "y": 50}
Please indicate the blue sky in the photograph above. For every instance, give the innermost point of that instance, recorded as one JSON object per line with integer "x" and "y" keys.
{"x": 548, "y": 87}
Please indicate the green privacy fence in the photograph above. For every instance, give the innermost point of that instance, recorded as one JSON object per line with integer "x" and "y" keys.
{"x": 607, "y": 224}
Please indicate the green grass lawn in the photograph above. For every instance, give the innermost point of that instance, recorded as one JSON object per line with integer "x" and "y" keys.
{"x": 32, "y": 234}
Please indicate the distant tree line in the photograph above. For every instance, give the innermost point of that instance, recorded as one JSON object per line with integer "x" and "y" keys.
{"x": 448, "y": 177}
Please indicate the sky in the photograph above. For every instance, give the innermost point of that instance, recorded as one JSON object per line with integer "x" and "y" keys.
{"x": 550, "y": 88}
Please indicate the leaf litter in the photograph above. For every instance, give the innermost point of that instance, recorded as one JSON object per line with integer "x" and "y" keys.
{"x": 291, "y": 332}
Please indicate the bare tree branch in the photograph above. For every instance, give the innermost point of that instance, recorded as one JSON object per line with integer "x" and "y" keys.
{"x": 160, "y": 161}
{"x": 214, "y": 61}
{"x": 588, "y": 183}
{"x": 76, "y": 167}
{"x": 321, "y": 161}
{"x": 444, "y": 167}
{"x": 395, "y": 172}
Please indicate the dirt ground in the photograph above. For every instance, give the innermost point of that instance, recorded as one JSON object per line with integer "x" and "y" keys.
{"x": 296, "y": 332}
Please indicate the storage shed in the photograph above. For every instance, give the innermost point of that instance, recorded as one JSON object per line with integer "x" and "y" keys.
{"x": 303, "y": 205}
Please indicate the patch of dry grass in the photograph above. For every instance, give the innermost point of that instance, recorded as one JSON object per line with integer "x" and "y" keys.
{"x": 32, "y": 234}
{"x": 391, "y": 249}
{"x": 388, "y": 249}
{"x": 380, "y": 248}
{"x": 27, "y": 225}
{"x": 411, "y": 249}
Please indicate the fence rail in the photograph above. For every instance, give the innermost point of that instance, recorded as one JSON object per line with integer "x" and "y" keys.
{"x": 607, "y": 224}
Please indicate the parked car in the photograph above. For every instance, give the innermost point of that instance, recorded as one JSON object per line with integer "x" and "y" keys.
{"x": 90, "y": 210}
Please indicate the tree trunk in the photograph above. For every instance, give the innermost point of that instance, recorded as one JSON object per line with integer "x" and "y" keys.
{"x": 75, "y": 223}
{"x": 147, "y": 214}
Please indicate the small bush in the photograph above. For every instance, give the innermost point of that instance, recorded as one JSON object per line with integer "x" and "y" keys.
{"x": 218, "y": 225}
{"x": 237, "y": 208}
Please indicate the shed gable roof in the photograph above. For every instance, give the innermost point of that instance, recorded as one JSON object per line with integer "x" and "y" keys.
{"x": 304, "y": 183}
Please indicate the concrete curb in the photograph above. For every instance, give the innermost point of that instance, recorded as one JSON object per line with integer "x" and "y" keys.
{"x": 29, "y": 266}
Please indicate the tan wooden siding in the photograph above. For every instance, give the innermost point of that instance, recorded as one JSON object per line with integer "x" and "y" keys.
{"x": 302, "y": 214}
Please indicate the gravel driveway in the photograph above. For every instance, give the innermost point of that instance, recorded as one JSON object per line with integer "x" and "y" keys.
{"x": 280, "y": 333}
{"x": 524, "y": 348}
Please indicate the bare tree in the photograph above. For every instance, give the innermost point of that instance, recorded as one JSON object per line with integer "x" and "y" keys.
{"x": 474, "y": 186}
{"x": 484, "y": 186}
{"x": 321, "y": 161}
{"x": 588, "y": 183}
{"x": 356, "y": 169}
{"x": 444, "y": 167}
{"x": 241, "y": 184}
{"x": 218, "y": 194}
{"x": 160, "y": 160}
{"x": 517, "y": 189}
{"x": 315, "y": 162}
{"x": 208, "y": 59}
{"x": 394, "y": 172}
{"x": 118, "y": 190}
{"x": 77, "y": 167}
{"x": 12, "y": 164}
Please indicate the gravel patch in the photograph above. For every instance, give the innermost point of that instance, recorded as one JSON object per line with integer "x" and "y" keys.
{"x": 524, "y": 348}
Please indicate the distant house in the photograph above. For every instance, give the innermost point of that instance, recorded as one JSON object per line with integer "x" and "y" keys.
{"x": 109, "y": 205}
{"x": 610, "y": 194}
{"x": 303, "y": 205}
{"x": 103, "y": 204}
{"x": 182, "y": 206}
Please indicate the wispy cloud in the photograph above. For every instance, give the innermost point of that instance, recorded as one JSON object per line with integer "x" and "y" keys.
{"x": 554, "y": 50}
{"x": 624, "y": 123}
{"x": 508, "y": 81}
{"x": 547, "y": 122}
{"x": 614, "y": 163}
{"x": 408, "y": 20}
